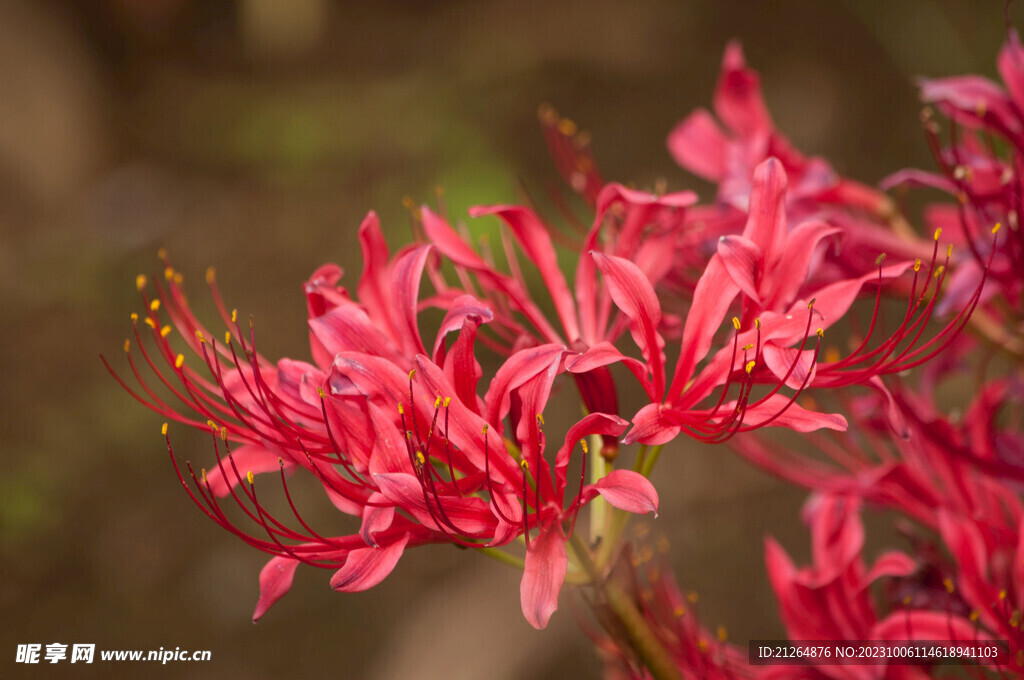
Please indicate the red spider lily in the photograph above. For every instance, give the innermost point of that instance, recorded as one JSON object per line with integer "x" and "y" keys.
{"x": 397, "y": 436}
{"x": 983, "y": 174}
{"x": 831, "y": 598}
{"x": 767, "y": 268}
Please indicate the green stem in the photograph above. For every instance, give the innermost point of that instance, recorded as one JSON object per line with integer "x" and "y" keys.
{"x": 503, "y": 557}
{"x": 650, "y": 460}
{"x": 643, "y": 640}
{"x": 599, "y": 468}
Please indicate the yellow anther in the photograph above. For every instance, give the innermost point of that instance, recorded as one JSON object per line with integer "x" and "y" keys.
{"x": 917, "y": 265}
{"x": 227, "y": 337}
{"x": 693, "y": 597}
{"x": 401, "y": 409}
{"x": 723, "y": 635}
{"x": 939, "y": 271}
{"x": 702, "y": 645}
{"x": 162, "y": 253}
{"x": 810, "y": 305}
{"x": 412, "y": 374}
{"x": 320, "y": 391}
{"x": 821, "y": 332}
{"x": 420, "y": 459}
{"x": 437, "y": 402}
{"x": 735, "y": 323}
{"x": 135, "y": 317}
{"x": 211, "y": 275}
{"x": 938, "y": 233}
{"x": 280, "y": 461}
{"x": 140, "y": 281}
{"x": 168, "y": 273}
{"x": 154, "y": 305}
{"x": 200, "y": 337}
{"x": 757, "y": 323}
{"x": 224, "y": 433}
{"x": 447, "y": 401}
{"x": 211, "y": 424}
{"x": 880, "y": 259}
{"x": 524, "y": 465}
{"x": 679, "y": 611}
{"x": 151, "y": 323}
{"x": 179, "y": 360}
{"x": 234, "y": 315}
{"x": 906, "y": 600}
{"x": 1002, "y": 594}
{"x": 583, "y": 443}
{"x": 949, "y": 251}
{"x": 248, "y": 475}
{"x": 127, "y": 345}
{"x": 202, "y": 475}
{"x": 974, "y": 616}
{"x": 165, "y": 331}
{"x": 485, "y": 428}
{"x": 948, "y": 584}
{"x": 750, "y": 366}
{"x": 748, "y": 346}
{"x": 995, "y": 229}
{"x": 178, "y": 278}
{"x": 567, "y": 127}
{"x": 163, "y": 429}
{"x": 540, "y": 418}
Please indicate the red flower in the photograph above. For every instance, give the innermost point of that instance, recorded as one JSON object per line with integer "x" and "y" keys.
{"x": 397, "y": 436}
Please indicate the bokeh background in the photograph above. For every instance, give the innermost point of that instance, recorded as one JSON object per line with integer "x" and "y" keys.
{"x": 254, "y": 135}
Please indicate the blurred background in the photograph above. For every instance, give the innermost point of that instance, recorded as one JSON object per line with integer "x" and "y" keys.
{"x": 254, "y": 135}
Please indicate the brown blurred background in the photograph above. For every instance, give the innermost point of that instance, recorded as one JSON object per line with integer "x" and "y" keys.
{"x": 254, "y": 135}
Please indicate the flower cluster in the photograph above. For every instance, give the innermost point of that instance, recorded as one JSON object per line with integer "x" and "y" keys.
{"x": 718, "y": 313}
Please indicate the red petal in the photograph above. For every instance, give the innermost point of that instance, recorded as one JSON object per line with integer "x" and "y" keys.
{"x": 366, "y": 567}
{"x": 406, "y": 287}
{"x": 698, "y": 144}
{"x": 625, "y": 490}
{"x": 766, "y": 223}
{"x": 744, "y": 261}
{"x": 738, "y": 100}
{"x": 594, "y": 423}
{"x": 546, "y": 565}
{"x": 275, "y": 580}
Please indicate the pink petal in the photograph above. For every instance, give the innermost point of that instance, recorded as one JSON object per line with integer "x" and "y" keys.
{"x": 546, "y": 565}
{"x": 517, "y": 370}
{"x": 275, "y": 580}
{"x": 892, "y": 563}
{"x": 625, "y": 490}
{"x": 738, "y": 100}
{"x": 470, "y": 514}
{"x": 376, "y": 518}
{"x": 1011, "y": 68}
{"x": 635, "y": 296}
{"x": 698, "y": 144}
{"x": 766, "y": 224}
{"x": 408, "y": 270}
{"x": 366, "y": 567}
{"x": 347, "y": 328}
{"x": 795, "y": 265}
{"x": 744, "y": 261}
{"x": 780, "y": 359}
{"x": 795, "y": 417}
{"x": 603, "y": 354}
{"x": 651, "y": 427}
{"x": 374, "y": 287}
{"x": 464, "y": 307}
{"x": 533, "y": 237}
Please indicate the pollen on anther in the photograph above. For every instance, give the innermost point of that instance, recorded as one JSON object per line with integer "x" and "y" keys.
{"x": 757, "y": 323}
{"x": 540, "y": 418}
{"x": 750, "y": 366}
{"x": 154, "y": 305}
{"x": 821, "y": 332}
{"x": 583, "y": 443}
{"x": 202, "y": 474}
{"x": 200, "y": 337}
{"x": 401, "y": 409}
{"x": 437, "y": 402}
{"x": 939, "y": 271}
{"x": 227, "y": 337}
{"x": 420, "y": 458}
{"x": 248, "y": 476}
{"x": 179, "y": 360}
{"x": 135, "y": 317}
{"x": 447, "y": 401}
{"x": 485, "y": 428}
{"x": 735, "y": 323}
{"x": 140, "y": 281}
{"x": 880, "y": 259}
{"x": 168, "y": 273}
{"x": 810, "y": 305}
{"x": 163, "y": 429}
{"x": 748, "y": 346}
{"x": 693, "y": 597}
{"x": 127, "y": 345}
{"x": 949, "y": 251}
{"x": 224, "y": 433}
{"x": 997, "y": 227}
{"x": 412, "y": 374}
{"x": 917, "y": 265}
{"x": 151, "y": 323}
{"x": 524, "y": 464}
{"x": 211, "y": 274}
{"x": 938, "y": 233}
{"x": 234, "y": 316}
{"x": 165, "y": 331}
{"x": 162, "y": 253}
{"x": 320, "y": 391}
{"x": 948, "y": 584}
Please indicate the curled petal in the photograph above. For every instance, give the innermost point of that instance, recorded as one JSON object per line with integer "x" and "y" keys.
{"x": 376, "y": 517}
{"x": 366, "y": 567}
{"x": 743, "y": 260}
{"x": 275, "y": 580}
{"x": 546, "y": 565}
{"x": 625, "y": 490}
